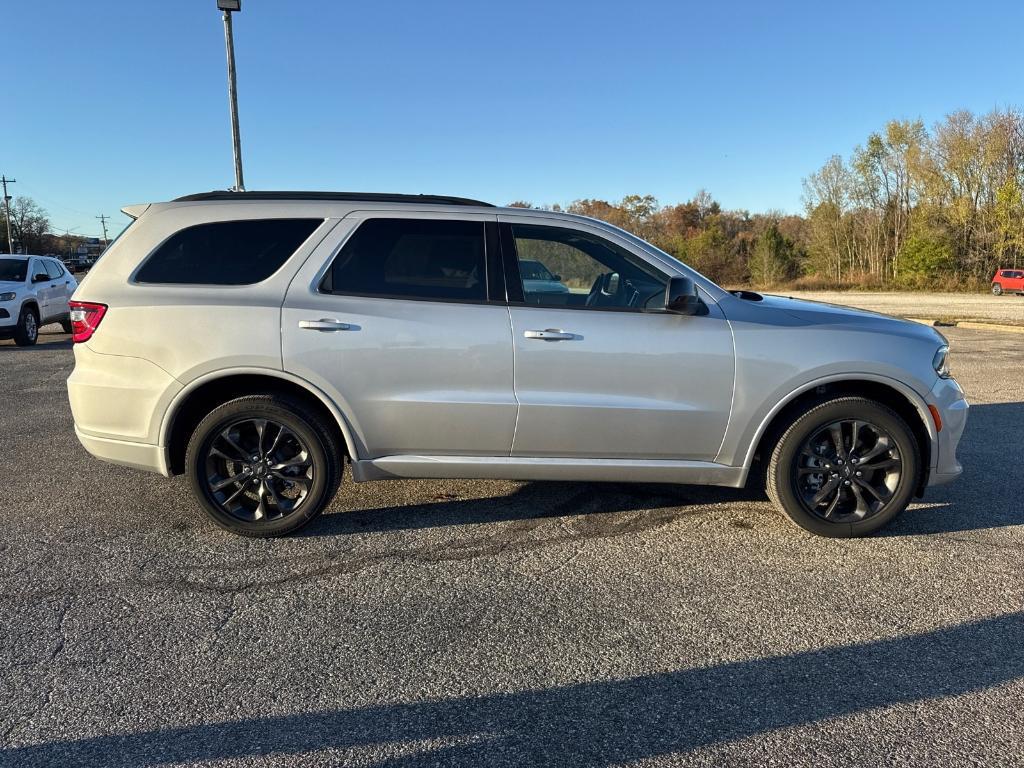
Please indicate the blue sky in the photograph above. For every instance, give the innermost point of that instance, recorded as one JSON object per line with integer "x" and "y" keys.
{"x": 116, "y": 102}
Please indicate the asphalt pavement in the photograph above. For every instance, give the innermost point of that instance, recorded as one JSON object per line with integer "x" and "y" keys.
{"x": 503, "y": 623}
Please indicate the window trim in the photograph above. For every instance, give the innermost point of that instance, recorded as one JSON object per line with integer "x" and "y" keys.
{"x": 490, "y": 261}
{"x": 133, "y": 278}
{"x": 514, "y": 279}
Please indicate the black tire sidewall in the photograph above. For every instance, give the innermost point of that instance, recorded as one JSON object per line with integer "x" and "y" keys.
{"x": 997, "y": 289}
{"x": 259, "y": 407}
{"x": 806, "y": 425}
{"x": 21, "y": 336}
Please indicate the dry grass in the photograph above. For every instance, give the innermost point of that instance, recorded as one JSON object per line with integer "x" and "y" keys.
{"x": 865, "y": 282}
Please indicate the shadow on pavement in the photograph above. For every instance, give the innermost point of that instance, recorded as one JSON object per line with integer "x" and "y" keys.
{"x": 598, "y": 723}
{"x": 981, "y": 498}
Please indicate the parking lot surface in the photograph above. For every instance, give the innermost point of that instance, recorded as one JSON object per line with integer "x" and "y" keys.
{"x": 500, "y": 623}
{"x": 1008, "y": 308}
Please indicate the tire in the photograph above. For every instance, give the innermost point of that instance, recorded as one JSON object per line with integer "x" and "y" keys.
{"x": 26, "y": 333}
{"x": 854, "y": 509}
{"x": 997, "y": 289}
{"x": 65, "y": 324}
{"x": 275, "y": 496}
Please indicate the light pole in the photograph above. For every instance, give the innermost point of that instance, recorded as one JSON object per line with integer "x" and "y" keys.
{"x": 229, "y": 7}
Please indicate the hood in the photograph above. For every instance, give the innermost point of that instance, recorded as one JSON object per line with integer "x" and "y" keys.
{"x": 821, "y": 313}
{"x": 9, "y": 283}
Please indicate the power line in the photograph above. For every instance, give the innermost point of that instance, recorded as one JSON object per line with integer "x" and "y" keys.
{"x": 7, "y": 207}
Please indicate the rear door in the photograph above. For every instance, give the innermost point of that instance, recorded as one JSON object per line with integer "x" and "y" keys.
{"x": 61, "y": 288}
{"x": 600, "y": 370}
{"x": 400, "y": 317}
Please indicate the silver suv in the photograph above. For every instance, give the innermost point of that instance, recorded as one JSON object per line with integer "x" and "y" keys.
{"x": 255, "y": 341}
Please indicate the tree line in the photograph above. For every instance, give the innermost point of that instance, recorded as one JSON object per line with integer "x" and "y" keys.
{"x": 911, "y": 207}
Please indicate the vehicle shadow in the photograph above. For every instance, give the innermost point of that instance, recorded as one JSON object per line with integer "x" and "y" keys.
{"x": 979, "y": 499}
{"x": 600, "y": 723}
{"x": 47, "y": 342}
{"x": 536, "y": 501}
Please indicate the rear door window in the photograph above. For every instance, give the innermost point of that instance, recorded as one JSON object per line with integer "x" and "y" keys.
{"x": 441, "y": 260}
{"x": 52, "y": 269}
{"x": 226, "y": 252}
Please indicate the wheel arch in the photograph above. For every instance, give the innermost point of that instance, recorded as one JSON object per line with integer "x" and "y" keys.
{"x": 203, "y": 394}
{"x": 909, "y": 405}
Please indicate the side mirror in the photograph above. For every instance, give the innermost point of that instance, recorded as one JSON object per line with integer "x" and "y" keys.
{"x": 681, "y": 296}
{"x": 557, "y": 278}
{"x": 40, "y": 277}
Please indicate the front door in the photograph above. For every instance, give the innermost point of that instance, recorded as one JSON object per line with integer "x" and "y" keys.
{"x": 401, "y": 319}
{"x": 44, "y": 289}
{"x": 600, "y": 371}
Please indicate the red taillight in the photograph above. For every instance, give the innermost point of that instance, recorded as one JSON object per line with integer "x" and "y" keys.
{"x": 85, "y": 319}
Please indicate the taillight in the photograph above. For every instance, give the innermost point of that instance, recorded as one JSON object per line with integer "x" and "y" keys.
{"x": 85, "y": 319}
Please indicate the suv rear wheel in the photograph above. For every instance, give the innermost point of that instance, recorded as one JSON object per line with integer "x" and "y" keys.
{"x": 27, "y": 331}
{"x": 844, "y": 468}
{"x": 997, "y": 289}
{"x": 263, "y": 465}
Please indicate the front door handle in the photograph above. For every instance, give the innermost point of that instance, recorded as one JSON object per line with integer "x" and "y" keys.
{"x": 550, "y": 334}
{"x": 325, "y": 324}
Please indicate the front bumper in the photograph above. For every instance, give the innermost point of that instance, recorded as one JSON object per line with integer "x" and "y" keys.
{"x": 947, "y": 396}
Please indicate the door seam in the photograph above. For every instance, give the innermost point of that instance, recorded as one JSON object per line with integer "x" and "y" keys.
{"x": 515, "y": 394}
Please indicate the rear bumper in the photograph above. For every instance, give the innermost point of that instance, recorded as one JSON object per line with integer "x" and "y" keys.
{"x": 118, "y": 403}
{"x": 151, "y": 458}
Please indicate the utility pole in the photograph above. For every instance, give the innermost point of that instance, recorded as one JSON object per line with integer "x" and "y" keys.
{"x": 7, "y": 208}
{"x": 103, "y": 220}
{"x": 229, "y": 7}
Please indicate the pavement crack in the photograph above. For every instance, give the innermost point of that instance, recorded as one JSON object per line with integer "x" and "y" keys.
{"x": 512, "y": 538}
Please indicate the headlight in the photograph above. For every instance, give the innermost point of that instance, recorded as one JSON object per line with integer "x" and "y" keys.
{"x": 9, "y": 296}
{"x": 941, "y": 362}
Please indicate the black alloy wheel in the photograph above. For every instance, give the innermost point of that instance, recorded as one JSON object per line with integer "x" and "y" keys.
{"x": 845, "y": 467}
{"x": 847, "y": 471}
{"x": 263, "y": 465}
{"x": 258, "y": 469}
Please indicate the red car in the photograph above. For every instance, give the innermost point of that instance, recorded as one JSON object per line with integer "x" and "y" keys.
{"x": 1008, "y": 281}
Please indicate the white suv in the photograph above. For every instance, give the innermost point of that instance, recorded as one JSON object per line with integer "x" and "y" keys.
{"x": 255, "y": 341}
{"x": 34, "y": 291}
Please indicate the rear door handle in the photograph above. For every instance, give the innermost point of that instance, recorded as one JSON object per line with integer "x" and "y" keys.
{"x": 325, "y": 324}
{"x": 550, "y": 334}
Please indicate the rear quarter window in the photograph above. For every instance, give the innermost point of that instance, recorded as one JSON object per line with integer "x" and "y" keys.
{"x": 226, "y": 252}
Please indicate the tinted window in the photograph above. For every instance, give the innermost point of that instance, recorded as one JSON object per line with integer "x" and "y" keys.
{"x": 13, "y": 270}
{"x": 52, "y": 269}
{"x": 570, "y": 268}
{"x": 416, "y": 258}
{"x": 227, "y": 252}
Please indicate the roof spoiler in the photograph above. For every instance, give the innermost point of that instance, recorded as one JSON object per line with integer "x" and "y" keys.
{"x": 134, "y": 211}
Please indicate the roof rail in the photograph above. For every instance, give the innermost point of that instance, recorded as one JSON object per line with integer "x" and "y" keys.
{"x": 368, "y": 197}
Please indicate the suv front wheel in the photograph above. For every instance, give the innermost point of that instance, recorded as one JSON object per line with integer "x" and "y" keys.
{"x": 27, "y": 331}
{"x": 263, "y": 465}
{"x": 844, "y": 468}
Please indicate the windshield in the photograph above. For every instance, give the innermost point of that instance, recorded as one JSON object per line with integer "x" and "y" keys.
{"x": 13, "y": 270}
{"x": 534, "y": 270}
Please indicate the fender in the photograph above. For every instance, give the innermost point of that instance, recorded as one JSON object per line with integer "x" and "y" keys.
{"x": 341, "y": 419}
{"x": 912, "y": 396}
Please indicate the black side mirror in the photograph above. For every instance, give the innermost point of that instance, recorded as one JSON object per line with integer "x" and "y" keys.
{"x": 681, "y": 296}
{"x": 40, "y": 277}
